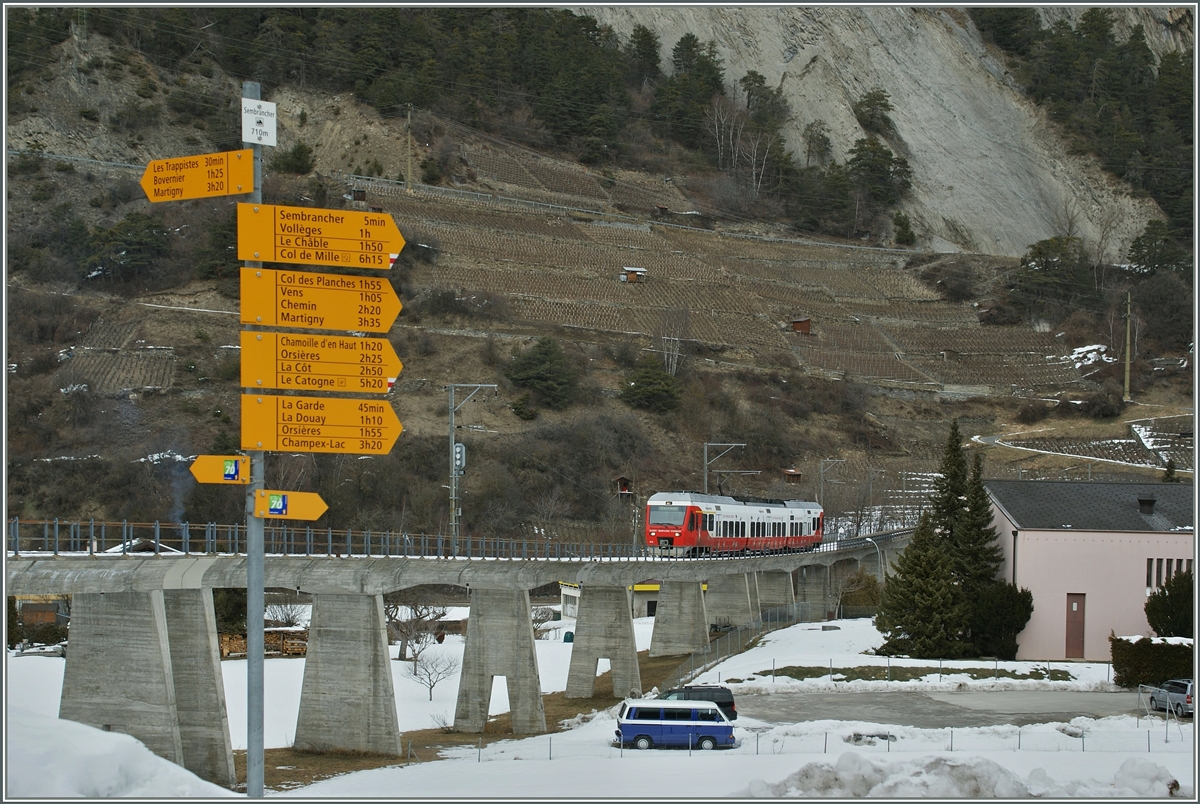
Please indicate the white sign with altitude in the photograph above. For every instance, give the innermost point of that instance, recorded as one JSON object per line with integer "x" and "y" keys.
{"x": 258, "y": 122}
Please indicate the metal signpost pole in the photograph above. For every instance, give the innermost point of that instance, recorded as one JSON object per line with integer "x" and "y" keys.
{"x": 255, "y": 602}
{"x": 458, "y": 457}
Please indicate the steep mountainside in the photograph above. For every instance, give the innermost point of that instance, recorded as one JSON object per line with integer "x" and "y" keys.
{"x": 990, "y": 174}
{"x": 802, "y": 349}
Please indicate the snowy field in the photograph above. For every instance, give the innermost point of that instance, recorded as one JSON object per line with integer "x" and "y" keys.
{"x": 1088, "y": 757}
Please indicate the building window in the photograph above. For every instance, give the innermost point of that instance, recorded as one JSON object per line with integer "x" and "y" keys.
{"x": 1158, "y": 573}
{"x": 1149, "y": 572}
{"x": 1170, "y": 561}
{"x": 1189, "y": 569}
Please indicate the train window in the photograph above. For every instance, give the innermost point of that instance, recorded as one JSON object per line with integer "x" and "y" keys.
{"x": 667, "y": 514}
{"x": 692, "y": 521}
{"x": 742, "y": 529}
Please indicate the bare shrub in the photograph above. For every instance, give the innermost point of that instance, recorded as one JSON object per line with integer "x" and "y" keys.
{"x": 1032, "y": 412}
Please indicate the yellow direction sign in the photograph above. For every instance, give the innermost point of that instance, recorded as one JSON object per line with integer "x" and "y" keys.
{"x": 203, "y": 176}
{"x": 222, "y": 469}
{"x": 288, "y": 505}
{"x": 317, "y": 301}
{"x": 316, "y": 424}
{"x": 307, "y": 236}
{"x": 313, "y": 362}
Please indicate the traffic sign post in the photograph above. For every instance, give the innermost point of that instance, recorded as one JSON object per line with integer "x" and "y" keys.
{"x": 317, "y": 301}
{"x": 305, "y": 505}
{"x": 308, "y": 236}
{"x": 313, "y": 362}
{"x": 202, "y": 176}
{"x": 318, "y": 424}
{"x": 233, "y": 469}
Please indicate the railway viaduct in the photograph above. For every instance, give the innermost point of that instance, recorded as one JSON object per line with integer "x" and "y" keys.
{"x": 154, "y": 613}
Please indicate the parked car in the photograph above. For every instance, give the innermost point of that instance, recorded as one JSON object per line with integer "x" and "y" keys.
{"x": 719, "y": 694}
{"x": 651, "y": 722}
{"x": 1175, "y": 694}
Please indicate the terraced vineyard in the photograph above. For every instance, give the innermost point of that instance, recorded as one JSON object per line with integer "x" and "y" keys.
{"x": 1122, "y": 450}
{"x": 872, "y": 318}
{"x": 114, "y": 373}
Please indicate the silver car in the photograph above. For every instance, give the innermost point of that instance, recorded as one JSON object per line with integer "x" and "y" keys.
{"x": 1175, "y": 695}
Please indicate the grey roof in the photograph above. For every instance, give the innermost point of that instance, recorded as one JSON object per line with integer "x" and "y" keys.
{"x": 1070, "y": 505}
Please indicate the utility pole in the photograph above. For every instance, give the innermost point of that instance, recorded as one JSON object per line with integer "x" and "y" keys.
{"x": 707, "y": 463}
{"x": 255, "y": 603}
{"x": 458, "y": 454}
{"x": 821, "y": 490}
{"x": 1128, "y": 303}
{"x": 408, "y": 172}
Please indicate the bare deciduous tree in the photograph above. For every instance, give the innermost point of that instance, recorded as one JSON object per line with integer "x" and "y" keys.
{"x": 541, "y": 616}
{"x": 857, "y": 586}
{"x": 287, "y": 615}
{"x": 673, "y": 329}
{"x": 432, "y": 669}
{"x": 411, "y": 621}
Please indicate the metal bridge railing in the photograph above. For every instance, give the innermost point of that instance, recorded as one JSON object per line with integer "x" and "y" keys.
{"x": 91, "y": 537}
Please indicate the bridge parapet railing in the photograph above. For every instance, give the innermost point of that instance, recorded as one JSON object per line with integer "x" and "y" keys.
{"x": 93, "y": 537}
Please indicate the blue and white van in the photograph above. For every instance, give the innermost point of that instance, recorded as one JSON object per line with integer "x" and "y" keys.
{"x": 652, "y": 722}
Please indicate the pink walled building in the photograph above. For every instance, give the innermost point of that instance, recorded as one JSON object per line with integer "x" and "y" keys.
{"x": 1089, "y": 553}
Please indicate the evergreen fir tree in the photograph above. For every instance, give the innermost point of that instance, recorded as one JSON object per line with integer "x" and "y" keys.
{"x": 950, "y": 488}
{"x": 1170, "y": 609}
{"x": 977, "y": 556}
{"x": 923, "y": 612}
{"x": 1001, "y": 612}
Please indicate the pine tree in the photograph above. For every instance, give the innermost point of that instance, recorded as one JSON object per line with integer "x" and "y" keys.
{"x": 923, "y": 612}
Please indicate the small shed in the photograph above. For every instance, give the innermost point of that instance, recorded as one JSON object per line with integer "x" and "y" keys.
{"x": 802, "y": 325}
{"x": 633, "y": 274}
{"x": 624, "y": 488}
{"x": 792, "y": 476}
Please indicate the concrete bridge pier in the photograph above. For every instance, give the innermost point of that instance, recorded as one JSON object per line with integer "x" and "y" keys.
{"x": 118, "y": 675}
{"x": 500, "y": 642}
{"x": 680, "y": 621}
{"x": 199, "y": 685}
{"x": 814, "y": 587}
{"x": 604, "y": 630}
{"x": 347, "y": 700}
{"x": 775, "y": 590}
{"x": 729, "y": 601}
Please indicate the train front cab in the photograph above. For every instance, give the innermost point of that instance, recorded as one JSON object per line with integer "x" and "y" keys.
{"x": 673, "y": 529}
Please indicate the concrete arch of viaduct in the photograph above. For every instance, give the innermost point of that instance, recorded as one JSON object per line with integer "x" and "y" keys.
{"x": 157, "y": 612}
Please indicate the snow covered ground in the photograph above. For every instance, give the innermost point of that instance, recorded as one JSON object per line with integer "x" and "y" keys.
{"x": 1088, "y": 757}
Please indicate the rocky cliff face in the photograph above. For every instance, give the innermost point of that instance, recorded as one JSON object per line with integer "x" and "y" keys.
{"x": 990, "y": 174}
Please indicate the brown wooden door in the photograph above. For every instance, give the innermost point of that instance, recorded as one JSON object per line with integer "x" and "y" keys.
{"x": 1075, "y": 612}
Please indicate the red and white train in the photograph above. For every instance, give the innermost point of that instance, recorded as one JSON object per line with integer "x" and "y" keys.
{"x": 687, "y": 523}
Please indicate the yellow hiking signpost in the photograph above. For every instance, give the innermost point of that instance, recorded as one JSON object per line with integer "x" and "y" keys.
{"x": 318, "y": 424}
{"x": 203, "y": 176}
{"x": 307, "y": 505}
{"x": 310, "y": 236}
{"x": 314, "y": 362}
{"x": 222, "y": 469}
{"x": 317, "y": 301}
